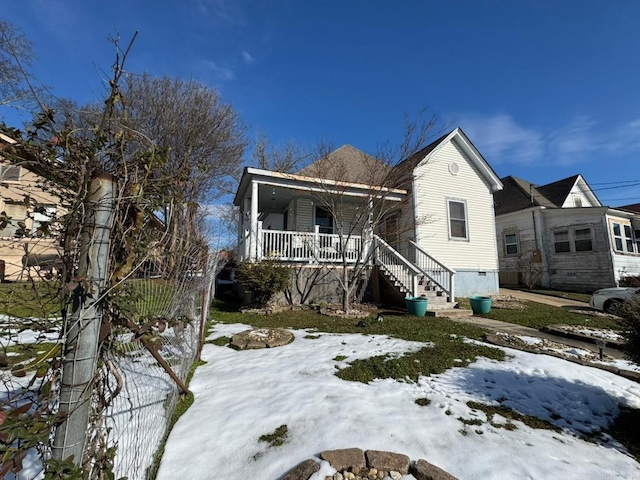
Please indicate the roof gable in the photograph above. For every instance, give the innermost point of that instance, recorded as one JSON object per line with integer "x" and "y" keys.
{"x": 462, "y": 141}
{"x": 519, "y": 194}
{"x": 348, "y": 164}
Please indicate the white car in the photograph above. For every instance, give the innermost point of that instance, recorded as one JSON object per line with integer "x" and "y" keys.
{"x": 610, "y": 300}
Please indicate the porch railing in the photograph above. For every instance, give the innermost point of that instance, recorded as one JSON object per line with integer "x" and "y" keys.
{"x": 396, "y": 266}
{"x": 435, "y": 271}
{"x": 308, "y": 246}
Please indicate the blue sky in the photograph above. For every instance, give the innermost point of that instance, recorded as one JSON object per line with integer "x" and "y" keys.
{"x": 544, "y": 89}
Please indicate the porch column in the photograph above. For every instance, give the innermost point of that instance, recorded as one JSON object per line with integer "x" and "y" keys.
{"x": 253, "y": 251}
{"x": 246, "y": 230}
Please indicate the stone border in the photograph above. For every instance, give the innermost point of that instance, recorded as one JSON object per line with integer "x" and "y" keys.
{"x": 557, "y": 330}
{"x": 356, "y": 464}
{"x": 628, "y": 374}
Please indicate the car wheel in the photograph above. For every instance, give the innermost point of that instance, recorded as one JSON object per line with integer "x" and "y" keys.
{"x": 613, "y": 306}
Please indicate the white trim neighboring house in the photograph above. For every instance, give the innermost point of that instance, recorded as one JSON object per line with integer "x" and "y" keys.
{"x": 439, "y": 223}
{"x": 563, "y": 236}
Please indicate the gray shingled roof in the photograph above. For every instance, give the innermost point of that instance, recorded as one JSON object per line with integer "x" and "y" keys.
{"x": 348, "y": 164}
{"x": 519, "y": 194}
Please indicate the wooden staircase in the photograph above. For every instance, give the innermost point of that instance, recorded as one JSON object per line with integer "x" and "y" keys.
{"x": 427, "y": 277}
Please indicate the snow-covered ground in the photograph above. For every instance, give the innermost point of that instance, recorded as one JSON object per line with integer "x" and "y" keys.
{"x": 240, "y": 396}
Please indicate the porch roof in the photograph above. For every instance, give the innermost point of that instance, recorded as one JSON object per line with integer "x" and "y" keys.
{"x": 309, "y": 184}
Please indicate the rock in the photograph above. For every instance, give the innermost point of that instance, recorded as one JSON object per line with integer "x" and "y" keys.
{"x": 338, "y": 476}
{"x": 344, "y": 458}
{"x": 388, "y": 461}
{"x": 261, "y": 338}
{"x": 423, "y": 470}
{"x": 373, "y": 473}
{"x": 395, "y": 475}
{"x": 303, "y": 470}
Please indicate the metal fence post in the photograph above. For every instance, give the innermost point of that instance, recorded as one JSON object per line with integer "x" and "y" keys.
{"x": 81, "y": 344}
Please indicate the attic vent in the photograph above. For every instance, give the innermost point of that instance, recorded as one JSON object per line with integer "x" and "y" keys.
{"x": 454, "y": 168}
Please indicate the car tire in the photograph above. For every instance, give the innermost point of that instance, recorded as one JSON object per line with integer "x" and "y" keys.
{"x": 613, "y": 306}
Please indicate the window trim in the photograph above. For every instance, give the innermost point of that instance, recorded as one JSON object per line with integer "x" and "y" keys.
{"x": 571, "y": 239}
{"x": 506, "y": 245}
{"x": 466, "y": 219}
{"x": 625, "y": 241}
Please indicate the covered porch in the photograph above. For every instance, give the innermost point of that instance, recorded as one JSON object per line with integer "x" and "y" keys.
{"x": 286, "y": 217}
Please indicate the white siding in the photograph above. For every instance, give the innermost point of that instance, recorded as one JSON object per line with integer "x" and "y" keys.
{"x": 577, "y": 198}
{"x": 434, "y": 184}
{"x": 303, "y": 214}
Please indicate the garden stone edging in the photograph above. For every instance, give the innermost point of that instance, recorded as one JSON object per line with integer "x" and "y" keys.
{"x": 356, "y": 464}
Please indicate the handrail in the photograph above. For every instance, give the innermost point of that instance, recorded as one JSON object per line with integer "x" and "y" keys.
{"x": 289, "y": 245}
{"x": 398, "y": 267}
{"x": 436, "y": 271}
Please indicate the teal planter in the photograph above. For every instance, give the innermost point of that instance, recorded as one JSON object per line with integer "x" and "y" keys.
{"x": 480, "y": 304}
{"x": 417, "y": 306}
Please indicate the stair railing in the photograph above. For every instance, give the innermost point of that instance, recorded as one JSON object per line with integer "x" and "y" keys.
{"x": 435, "y": 271}
{"x": 396, "y": 266}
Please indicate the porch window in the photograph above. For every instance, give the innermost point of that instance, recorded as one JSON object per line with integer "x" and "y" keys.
{"x": 617, "y": 237}
{"x": 561, "y": 241}
{"x": 582, "y": 240}
{"x": 324, "y": 220}
{"x": 9, "y": 173}
{"x": 17, "y": 213}
{"x": 457, "y": 219}
{"x": 511, "y": 243}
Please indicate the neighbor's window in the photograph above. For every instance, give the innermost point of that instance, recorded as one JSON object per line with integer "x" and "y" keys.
{"x": 511, "y": 243}
{"x": 324, "y": 220}
{"x": 617, "y": 237}
{"x": 457, "y": 219}
{"x": 628, "y": 237}
{"x": 9, "y": 173}
{"x": 43, "y": 214}
{"x": 561, "y": 241}
{"x": 17, "y": 213}
{"x": 582, "y": 240}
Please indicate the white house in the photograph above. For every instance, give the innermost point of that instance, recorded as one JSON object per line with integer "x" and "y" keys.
{"x": 426, "y": 224}
{"x": 559, "y": 235}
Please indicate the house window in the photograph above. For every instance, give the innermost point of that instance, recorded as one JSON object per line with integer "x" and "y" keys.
{"x": 617, "y": 237}
{"x": 582, "y": 240}
{"x": 457, "y": 219}
{"x": 324, "y": 220}
{"x": 577, "y": 201}
{"x": 511, "y": 243}
{"x": 17, "y": 213}
{"x": 42, "y": 216}
{"x": 561, "y": 241}
{"x": 628, "y": 238}
{"x": 9, "y": 173}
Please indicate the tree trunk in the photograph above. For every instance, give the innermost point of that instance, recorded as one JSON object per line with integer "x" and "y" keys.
{"x": 345, "y": 289}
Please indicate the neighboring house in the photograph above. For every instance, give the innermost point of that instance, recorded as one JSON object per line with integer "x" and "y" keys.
{"x": 437, "y": 230}
{"x": 24, "y": 243}
{"x": 560, "y": 236}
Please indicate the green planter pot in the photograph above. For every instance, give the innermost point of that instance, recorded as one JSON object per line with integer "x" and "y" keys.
{"x": 417, "y": 306}
{"x": 480, "y": 304}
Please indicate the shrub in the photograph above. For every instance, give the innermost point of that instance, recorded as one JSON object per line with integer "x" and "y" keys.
{"x": 264, "y": 279}
{"x": 631, "y": 328}
{"x": 629, "y": 281}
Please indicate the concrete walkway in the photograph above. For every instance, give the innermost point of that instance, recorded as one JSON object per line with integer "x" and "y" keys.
{"x": 545, "y": 299}
{"x": 514, "y": 329}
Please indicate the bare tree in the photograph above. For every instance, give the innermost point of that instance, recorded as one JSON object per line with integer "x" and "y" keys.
{"x": 359, "y": 217}
{"x": 201, "y": 139}
{"x": 16, "y": 55}
{"x": 286, "y": 159}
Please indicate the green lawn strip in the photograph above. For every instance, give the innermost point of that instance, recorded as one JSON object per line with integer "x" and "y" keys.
{"x": 625, "y": 430}
{"x": 20, "y": 353}
{"x": 444, "y": 355}
{"x": 538, "y": 315}
{"x": 510, "y": 415}
{"x": 579, "y": 297}
{"x": 39, "y": 299}
{"x": 184, "y": 402}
